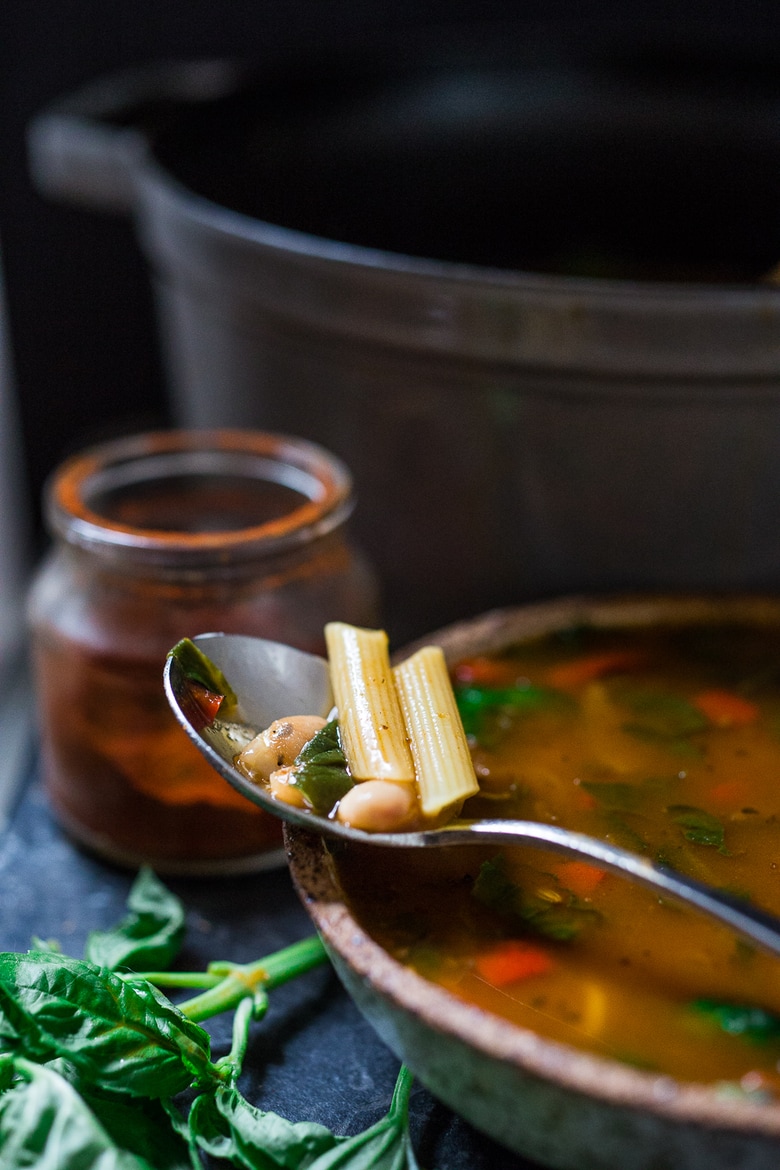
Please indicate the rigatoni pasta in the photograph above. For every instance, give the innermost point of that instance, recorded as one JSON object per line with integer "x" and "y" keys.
{"x": 371, "y": 724}
{"x": 442, "y": 761}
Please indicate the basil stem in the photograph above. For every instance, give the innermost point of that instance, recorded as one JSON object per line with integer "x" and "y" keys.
{"x": 247, "y": 979}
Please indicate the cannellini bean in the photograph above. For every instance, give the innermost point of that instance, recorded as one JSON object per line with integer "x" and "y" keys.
{"x": 379, "y": 806}
{"x": 277, "y": 746}
{"x": 281, "y": 789}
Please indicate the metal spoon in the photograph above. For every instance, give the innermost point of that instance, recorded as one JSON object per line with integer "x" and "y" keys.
{"x": 272, "y": 680}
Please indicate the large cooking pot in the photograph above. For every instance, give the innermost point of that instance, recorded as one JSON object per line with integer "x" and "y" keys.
{"x": 515, "y": 282}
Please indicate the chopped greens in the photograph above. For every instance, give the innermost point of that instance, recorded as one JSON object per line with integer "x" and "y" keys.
{"x": 663, "y": 719}
{"x": 482, "y": 708}
{"x": 555, "y": 913}
{"x": 615, "y": 796}
{"x": 699, "y": 826}
{"x": 320, "y": 770}
{"x": 198, "y": 668}
{"x": 622, "y": 796}
{"x": 752, "y": 1023}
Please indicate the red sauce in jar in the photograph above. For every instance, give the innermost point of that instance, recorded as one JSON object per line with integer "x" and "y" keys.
{"x": 162, "y": 537}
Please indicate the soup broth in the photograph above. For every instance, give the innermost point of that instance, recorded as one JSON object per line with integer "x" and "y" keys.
{"x": 663, "y": 741}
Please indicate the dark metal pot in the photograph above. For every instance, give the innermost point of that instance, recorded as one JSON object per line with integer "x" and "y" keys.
{"x": 515, "y": 283}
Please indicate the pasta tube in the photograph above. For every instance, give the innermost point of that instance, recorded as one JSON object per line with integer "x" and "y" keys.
{"x": 445, "y": 773}
{"x": 372, "y": 728}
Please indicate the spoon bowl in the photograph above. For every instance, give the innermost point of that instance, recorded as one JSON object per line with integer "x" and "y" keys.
{"x": 272, "y": 681}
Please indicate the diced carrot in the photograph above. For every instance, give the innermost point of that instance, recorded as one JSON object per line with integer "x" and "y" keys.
{"x": 579, "y": 671}
{"x": 580, "y": 877}
{"x": 485, "y": 672}
{"x": 730, "y": 794}
{"x": 511, "y": 961}
{"x": 725, "y": 709}
{"x": 585, "y": 800}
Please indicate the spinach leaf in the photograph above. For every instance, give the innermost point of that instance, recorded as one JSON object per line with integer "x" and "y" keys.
{"x": 149, "y": 937}
{"x": 668, "y": 716}
{"x": 44, "y": 1122}
{"x": 626, "y": 829}
{"x": 616, "y": 796}
{"x": 620, "y": 796}
{"x": 120, "y": 1034}
{"x": 698, "y": 826}
{"x": 665, "y": 720}
{"x": 561, "y": 919}
{"x": 752, "y": 1023}
{"x": 482, "y": 708}
{"x": 320, "y": 770}
{"x": 198, "y": 667}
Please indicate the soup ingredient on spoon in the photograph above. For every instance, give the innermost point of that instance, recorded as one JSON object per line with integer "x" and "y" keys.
{"x": 396, "y": 759}
{"x": 278, "y": 746}
{"x": 371, "y": 723}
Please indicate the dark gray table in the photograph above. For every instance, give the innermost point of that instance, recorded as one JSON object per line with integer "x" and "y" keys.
{"x": 312, "y": 1058}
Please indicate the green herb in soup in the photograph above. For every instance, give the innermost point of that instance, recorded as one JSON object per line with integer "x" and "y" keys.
{"x": 664, "y": 741}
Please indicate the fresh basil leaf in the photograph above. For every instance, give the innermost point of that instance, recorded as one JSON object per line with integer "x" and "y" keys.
{"x": 385, "y": 1146}
{"x": 18, "y": 1030}
{"x": 209, "y": 1132}
{"x": 698, "y": 826}
{"x": 120, "y": 1034}
{"x": 561, "y": 920}
{"x": 140, "y": 1125}
{"x": 45, "y": 944}
{"x": 45, "y": 1123}
{"x": 225, "y": 1125}
{"x": 752, "y": 1023}
{"x": 320, "y": 770}
{"x": 149, "y": 937}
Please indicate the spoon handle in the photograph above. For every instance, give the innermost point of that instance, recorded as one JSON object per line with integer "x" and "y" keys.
{"x": 757, "y": 926}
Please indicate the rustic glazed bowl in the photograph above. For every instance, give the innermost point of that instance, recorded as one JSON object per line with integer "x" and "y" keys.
{"x": 562, "y": 1107}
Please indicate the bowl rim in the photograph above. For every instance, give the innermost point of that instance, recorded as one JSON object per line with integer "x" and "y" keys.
{"x": 576, "y": 1070}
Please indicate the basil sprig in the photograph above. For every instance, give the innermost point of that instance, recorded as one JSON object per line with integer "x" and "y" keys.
{"x": 99, "y": 1070}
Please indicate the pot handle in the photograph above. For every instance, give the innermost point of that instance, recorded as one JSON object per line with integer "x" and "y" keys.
{"x": 87, "y": 147}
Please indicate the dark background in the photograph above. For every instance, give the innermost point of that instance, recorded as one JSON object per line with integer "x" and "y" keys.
{"x": 83, "y": 335}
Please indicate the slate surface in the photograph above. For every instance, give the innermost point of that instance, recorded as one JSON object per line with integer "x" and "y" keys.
{"x": 312, "y": 1058}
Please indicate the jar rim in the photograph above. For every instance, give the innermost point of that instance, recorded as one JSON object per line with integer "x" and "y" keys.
{"x": 317, "y": 475}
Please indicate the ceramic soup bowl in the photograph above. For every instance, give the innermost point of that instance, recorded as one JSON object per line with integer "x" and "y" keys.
{"x": 562, "y": 1106}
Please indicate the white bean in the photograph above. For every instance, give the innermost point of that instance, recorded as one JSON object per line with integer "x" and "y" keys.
{"x": 277, "y": 746}
{"x": 379, "y": 806}
{"x": 281, "y": 789}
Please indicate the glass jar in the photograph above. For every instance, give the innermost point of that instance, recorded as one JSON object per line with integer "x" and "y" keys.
{"x": 158, "y": 537}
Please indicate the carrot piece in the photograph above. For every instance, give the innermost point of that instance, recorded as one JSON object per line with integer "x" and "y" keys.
{"x": 725, "y": 709}
{"x": 512, "y": 961}
{"x": 730, "y": 794}
{"x": 580, "y": 877}
{"x": 579, "y": 671}
{"x": 485, "y": 672}
{"x": 585, "y": 800}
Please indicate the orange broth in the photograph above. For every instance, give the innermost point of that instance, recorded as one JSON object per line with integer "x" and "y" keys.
{"x": 663, "y": 741}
